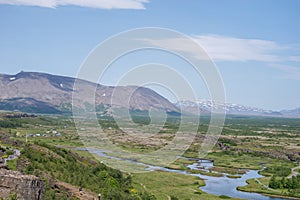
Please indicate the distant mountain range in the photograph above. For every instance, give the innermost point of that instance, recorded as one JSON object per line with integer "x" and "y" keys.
{"x": 294, "y": 112}
{"x": 46, "y": 93}
{"x": 206, "y": 107}
{"x": 51, "y": 94}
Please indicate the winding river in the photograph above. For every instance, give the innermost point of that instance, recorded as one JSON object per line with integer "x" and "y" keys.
{"x": 228, "y": 186}
{"x": 214, "y": 185}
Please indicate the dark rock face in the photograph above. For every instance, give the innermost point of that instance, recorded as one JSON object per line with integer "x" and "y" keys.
{"x": 2, "y": 163}
{"x": 26, "y": 187}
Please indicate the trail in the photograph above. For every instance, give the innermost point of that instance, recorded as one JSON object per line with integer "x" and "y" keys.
{"x": 265, "y": 186}
{"x": 294, "y": 173}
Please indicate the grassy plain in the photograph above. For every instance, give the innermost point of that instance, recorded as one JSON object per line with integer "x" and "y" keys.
{"x": 164, "y": 185}
{"x": 245, "y": 143}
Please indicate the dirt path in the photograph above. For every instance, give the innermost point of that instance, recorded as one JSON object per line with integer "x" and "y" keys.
{"x": 293, "y": 172}
{"x": 265, "y": 186}
{"x": 74, "y": 191}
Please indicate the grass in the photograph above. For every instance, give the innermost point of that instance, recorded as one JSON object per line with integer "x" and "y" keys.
{"x": 234, "y": 176}
{"x": 57, "y": 141}
{"x": 245, "y": 161}
{"x": 254, "y": 186}
{"x": 63, "y": 165}
{"x": 166, "y": 184}
{"x": 254, "y": 134}
{"x": 85, "y": 154}
{"x": 181, "y": 164}
{"x": 224, "y": 197}
{"x": 228, "y": 170}
{"x": 12, "y": 164}
{"x": 202, "y": 172}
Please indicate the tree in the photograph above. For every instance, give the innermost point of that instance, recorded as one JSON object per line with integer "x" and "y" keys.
{"x": 294, "y": 182}
{"x": 274, "y": 183}
{"x": 283, "y": 183}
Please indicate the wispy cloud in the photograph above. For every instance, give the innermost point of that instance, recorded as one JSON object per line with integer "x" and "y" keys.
{"x": 283, "y": 57}
{"x": 223, "y": 48}
{"x": 177, "y": 44}
{"x": 290, "y": 72}
{"x": 100, "y": 4}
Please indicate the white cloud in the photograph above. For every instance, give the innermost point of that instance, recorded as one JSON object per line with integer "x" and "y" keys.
{"x": 46, "y": 3}
{"x": 101, "y": 4}
{"x": 223, "y": 48}
{"x": 184, "y": 45}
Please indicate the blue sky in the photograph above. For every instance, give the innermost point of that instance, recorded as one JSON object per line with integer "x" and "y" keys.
{"x": 255, "y": 44}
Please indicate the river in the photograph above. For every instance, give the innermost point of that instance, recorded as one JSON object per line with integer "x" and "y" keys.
{"x": 214, "y": 185}
{"x": 228, "y": 186}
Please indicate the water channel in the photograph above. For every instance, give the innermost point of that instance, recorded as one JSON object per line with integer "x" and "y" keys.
{"x": 228, "y": 186}
{"x": 214, "y": 185}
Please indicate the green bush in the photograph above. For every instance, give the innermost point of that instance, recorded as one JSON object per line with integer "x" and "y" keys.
{"x": 287, "y": 183}
{"x": 174, "y": 198}
{"x": 278, "y": 171}
{"x": 224, "y": 197}
{"x": 13, "y": 196}
{"x": 228, "y": 141}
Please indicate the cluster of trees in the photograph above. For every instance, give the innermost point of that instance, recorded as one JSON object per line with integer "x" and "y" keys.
{"x": 228, "y": 141}
{"x": 10, "y": 123}
{"x": 68, "y": 167}
{"x": 285, "y": 183}
{"x": 279, "y": 180}
{"x": 107, "y": 121}
{"x": 280, "y": 171}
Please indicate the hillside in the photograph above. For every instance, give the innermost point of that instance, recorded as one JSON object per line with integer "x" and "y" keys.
{"x": 44, "y": 172}
{"x": 46, "y": 93}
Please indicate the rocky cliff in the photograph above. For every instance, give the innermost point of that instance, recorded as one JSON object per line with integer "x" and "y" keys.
{"x": 25, "y": 187}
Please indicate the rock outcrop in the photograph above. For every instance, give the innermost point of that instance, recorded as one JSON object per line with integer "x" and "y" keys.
{"x": 25, "y": 187}
{"x": 2, "y": 163}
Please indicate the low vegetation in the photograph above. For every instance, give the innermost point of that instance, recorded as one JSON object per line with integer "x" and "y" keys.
{"x": 165, "y": 185}
{"x": 292, "y": 184}
{"x": 245, "y": 143}
{"x": 281, "y": 171}
{"x": 62, "y": 164}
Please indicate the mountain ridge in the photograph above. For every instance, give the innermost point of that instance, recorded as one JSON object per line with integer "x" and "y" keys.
{"x": 39, "y": 92}
{"x": 207, "y": 107}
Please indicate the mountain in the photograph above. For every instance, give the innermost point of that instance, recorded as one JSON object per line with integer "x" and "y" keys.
{"x": 206, "y": 107}
{"x": 291, "y": 113}
{"x": 46, "y": 93}
{"x": 51, "y": 94}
